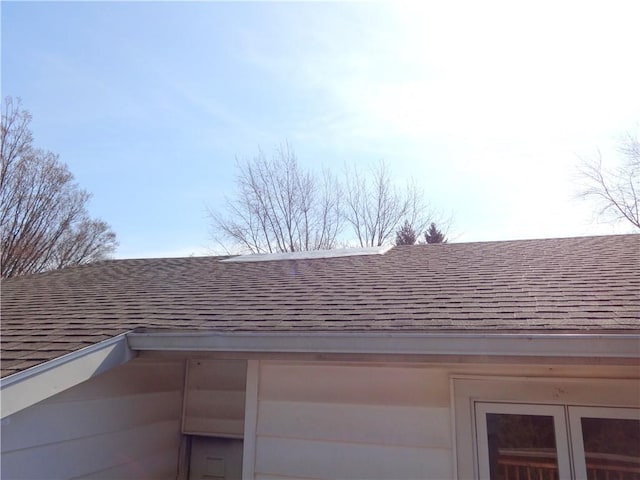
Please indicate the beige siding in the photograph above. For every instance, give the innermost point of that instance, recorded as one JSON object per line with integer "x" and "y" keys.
{"x": 215, "y": 398}
{"x": 329, "y": 421}
{"x": 313, "y": 459}
{"x": 275, "y": 477}
{"x": 157, "y": 461}
{"x": 123, "y": 424}
{"x": 360, "y": 384}
{"x": 312, "y": 420}
{"x": 320, "y": 420}
{"x": 392, "y": 425}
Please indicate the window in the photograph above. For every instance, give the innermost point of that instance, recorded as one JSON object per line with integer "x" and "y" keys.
{"x": 537, "y": 429}
{"x": 606, "y": 442}
{"x": 524, "y": 441}
{"x": 521, "y": 441}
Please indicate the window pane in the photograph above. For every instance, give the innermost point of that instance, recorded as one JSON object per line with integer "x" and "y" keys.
{"x": 612, "y": 448}
{"x": 521, "y": 447}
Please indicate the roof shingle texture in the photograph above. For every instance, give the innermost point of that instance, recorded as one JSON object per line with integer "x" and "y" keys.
{"x": 587, "y": 284}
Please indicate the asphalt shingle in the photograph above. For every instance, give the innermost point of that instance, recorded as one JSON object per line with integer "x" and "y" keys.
{"x": 587, "y": 284}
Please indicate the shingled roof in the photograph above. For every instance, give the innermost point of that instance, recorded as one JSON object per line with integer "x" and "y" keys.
{"x": 587, "y": 284}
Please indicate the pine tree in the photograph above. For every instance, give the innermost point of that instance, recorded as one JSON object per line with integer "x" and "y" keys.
{"x": 406, "y": 235}
{"x": 433, "y": 235}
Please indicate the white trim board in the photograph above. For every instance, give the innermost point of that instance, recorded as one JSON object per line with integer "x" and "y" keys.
{"x": 461, "y": 344}
{"x": 310, "y": 254}
{"x": 251, "y": 419}
{"x": 23, "y": 389}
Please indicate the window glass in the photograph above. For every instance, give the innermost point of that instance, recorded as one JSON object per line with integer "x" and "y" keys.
{"x": 611, "y": 448}
{"x": 521, "y": 447}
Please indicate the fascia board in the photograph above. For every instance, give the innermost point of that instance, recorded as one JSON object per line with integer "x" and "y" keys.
{"x": 459, "y": 344}
{"x": 26, "y": 388}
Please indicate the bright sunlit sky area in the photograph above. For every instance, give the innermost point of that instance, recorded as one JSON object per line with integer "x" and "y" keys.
{"x": 488, "y": 106}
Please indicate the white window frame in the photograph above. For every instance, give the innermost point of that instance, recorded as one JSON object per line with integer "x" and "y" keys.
{"x": 576, "y": 413}
{"x": 557, "y": 412}
{"x": 469, "y": 390}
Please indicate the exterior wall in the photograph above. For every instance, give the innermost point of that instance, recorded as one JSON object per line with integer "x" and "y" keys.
{"x": 215, "y": 398}
{"x": 303, "y": 419}
{"x": 376, "y": 421}
{"x": 122, "y": 424}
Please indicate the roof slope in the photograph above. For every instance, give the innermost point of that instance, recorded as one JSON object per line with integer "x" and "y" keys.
{"x": 584, "y": 284}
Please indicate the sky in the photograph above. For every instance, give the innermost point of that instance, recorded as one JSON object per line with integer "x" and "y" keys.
{"x": 488, "y": 106}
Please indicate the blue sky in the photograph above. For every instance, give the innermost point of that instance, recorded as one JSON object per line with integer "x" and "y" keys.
{"x": 487, "y": 105}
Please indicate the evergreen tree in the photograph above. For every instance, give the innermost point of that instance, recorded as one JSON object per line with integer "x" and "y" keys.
{"x": 433, "y": 235}
{"x": 406, "y": 235}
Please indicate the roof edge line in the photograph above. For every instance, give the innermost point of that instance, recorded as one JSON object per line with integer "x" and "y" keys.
{"x": 44, "y": 380}
{"x": 462, "y": 344}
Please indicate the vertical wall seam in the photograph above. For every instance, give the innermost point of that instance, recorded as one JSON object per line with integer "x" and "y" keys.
{"x": 250, "y": 420}
{"x": 184, "y": 454}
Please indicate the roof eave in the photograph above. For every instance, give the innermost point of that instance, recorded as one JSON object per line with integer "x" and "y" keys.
{"x": 35, "y": 384}
{"x": 561, "y": 345}
{"x": 30, "y": 386}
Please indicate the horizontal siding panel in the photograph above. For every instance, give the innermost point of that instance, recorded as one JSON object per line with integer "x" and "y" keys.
{"x": 217, "y": 374}
{"x": 132, "y": 378}
{"x": 311, "y": 459}
{"x": 157, "y": 466}
{"x": 280, "y": 477}
{"x": 516, "y": 369}
{"x": 86, "y": 456}
{"x": 213, "y": 427}
{"x": 60, "y": 422}
{"x": 372, "y": 385}
{"x": 216, "y": 404}
{"x": 123, "y": 417}
{"x": 372, "y": 424}
{"x": 215, "y": 397}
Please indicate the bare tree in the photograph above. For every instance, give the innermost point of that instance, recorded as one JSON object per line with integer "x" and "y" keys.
{"x": 279, "y": 207}
{"x": 44, "y": 223}
{"x": 617, "y": 191}
{"x": 375, "y": 208}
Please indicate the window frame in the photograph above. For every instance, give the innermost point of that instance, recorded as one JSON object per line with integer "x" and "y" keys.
{"x": 574, "y": 419}
{"x": 557, "y": 412}
{"x": 468, "y": 390}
